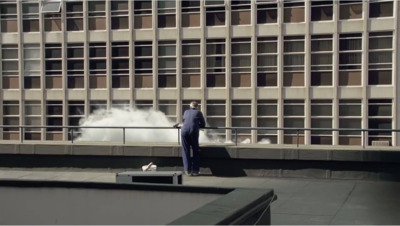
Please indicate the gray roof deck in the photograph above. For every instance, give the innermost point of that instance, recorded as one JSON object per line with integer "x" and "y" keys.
{"x": 300, "y": 201}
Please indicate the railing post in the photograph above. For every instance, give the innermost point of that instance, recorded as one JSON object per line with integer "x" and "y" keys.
{"x": 123, "y": 135}
{"x": 363, "y": 138}
{"x": 236, "y": 139}
{"x": 297, "y": 137}
{"x": 179, "y": 137}
{"x": 22, "y": 134}
{"x": 72, "y": 135}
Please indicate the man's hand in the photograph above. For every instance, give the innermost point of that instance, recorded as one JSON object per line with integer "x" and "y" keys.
{"x": 176, "y": 125}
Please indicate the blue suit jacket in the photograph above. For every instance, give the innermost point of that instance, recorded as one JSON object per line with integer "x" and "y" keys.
{"x": 193, "y": 120}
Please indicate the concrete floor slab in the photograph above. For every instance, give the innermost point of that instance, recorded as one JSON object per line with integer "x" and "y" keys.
{"x": 300, "y": 201}
{"x": 298, "y": 219}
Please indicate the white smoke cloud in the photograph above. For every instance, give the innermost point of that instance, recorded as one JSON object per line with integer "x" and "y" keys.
{"x": 265, "y": 141}
{"x": 131, "y": 118}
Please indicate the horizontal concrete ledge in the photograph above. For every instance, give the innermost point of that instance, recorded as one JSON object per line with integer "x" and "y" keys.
{"x": 203, "y": 205}
{"x": 264, "y": 152}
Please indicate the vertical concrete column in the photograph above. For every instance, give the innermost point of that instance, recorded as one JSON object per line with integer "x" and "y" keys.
{"x": 307, "y": 72}
{"x": 364, "y": 69}
{"x": 86, "y": 58}
{"x": 253, "y": 71}
{"x": 396, "y": 74}
{"x": 108, "y": 54}
{"x": 64, "y": 58}
{"x": 179, "y": 62}
{"x": 335, "y": 73}
{"x": 155, "y": 54}
{"x": 131, "y": 54}
{"x": 21, "y": 64}
{"x": 203, "y": 67}
{"x": 1, "y": 82}
{"x": 280, "y": 40}
{"x": 228, "y": 86}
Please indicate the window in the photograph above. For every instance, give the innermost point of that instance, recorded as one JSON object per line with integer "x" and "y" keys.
{"x": 241, "y": 117}
{"x": 216, "y": 63}
{"x": 321, "y": 118}
{"x": 11, "y": 118}
{"x": 121, "y": 104}
{"x": 54, "y": 117}
{"x": 143, "y": 14}
{"x": 32, "y": 70}
{"x": 166, "y": 13}
{"x": 119, "y": 15}
{"x": 214, "y": 3}
{"x": 30, "y": 16}
{"x": 267, "y": 61}
{"x": 144, "y": 104}
{"x": 168, "y": 107}
{"x": 267, "y": 12}
{"x": 53, "y": 66}
{"x": 33, "y": 112}
{"x": 52, "y": 16}
{"x": 97, "y": 65}
{"x": 190, "y": 13}
{"x": 216, "y": 116}
{"x": 166, "y": 64}
{"x": 350, "y": 59}
{"x": 240, "y": 12}
{"x": 350, "y": 117}
{"x": 97, "y": 15}
{"x": 380, "y": 8}
{"x": 76, "y": 112}
{"x": 380, "y": 58}
{"x": 321, "y": 60}
{"x": 75, "y": 66}
{"x": 8, "y": 16}
{"x": 190, "y": 63}
{"x": 350, "y": 9}
{"x": 379, "y": 117}
{"x": 293, "y": 61}
{"x": 143, "y": 64}
{"x": 74, "y": 15}
{"x": 120, "y": 65}
{"x": 241, "y": 62}
{"x": 293, "y": 117}
{"x": 267, "y": 116}
{"x": 215, "y": 12}
{"x": 321, "y": 10}
{"x": 293, "y": 11}
{"x": 97, "y": 105}
{"x": 9, "y": 62}
{"x": 51, "y": 7}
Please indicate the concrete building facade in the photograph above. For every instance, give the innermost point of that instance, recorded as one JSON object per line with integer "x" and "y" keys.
{"x": 258, "y": 63}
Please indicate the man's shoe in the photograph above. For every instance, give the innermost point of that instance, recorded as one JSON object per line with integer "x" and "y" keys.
{"x": 187, "y": 173}
{"x": 195, "y": 174}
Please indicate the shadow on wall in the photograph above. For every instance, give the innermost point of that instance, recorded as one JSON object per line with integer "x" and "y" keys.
{"x": 220, "y": 163}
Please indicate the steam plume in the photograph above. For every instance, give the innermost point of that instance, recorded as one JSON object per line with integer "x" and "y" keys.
{"x": 130, "y": 118}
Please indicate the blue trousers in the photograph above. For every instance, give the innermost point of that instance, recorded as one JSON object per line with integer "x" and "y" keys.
{"x": 190, "y": 140}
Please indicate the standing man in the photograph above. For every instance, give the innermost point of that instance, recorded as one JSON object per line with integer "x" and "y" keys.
{"x": 193, "y": 120}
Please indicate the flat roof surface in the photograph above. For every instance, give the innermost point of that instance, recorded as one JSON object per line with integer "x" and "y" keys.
{"x": 300, "y": 201}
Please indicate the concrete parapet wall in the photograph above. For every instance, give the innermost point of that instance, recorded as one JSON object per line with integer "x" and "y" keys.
{"x": 226, "y": 152}
{"x": 271, "y": 161}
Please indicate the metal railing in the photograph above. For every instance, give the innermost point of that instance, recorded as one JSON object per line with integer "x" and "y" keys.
{"x": 73, "y": 130}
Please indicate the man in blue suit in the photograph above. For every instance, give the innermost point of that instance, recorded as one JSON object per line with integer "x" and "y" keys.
{"x": 193, "y": 120}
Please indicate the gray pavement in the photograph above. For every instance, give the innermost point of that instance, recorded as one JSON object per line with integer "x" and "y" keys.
{"x": 300, "y": 201}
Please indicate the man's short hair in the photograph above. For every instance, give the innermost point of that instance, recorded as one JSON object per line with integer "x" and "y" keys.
{"x": 194, "y": 104}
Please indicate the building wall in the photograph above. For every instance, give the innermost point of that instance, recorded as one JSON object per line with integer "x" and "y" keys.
{"x": 326, "y": 64}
